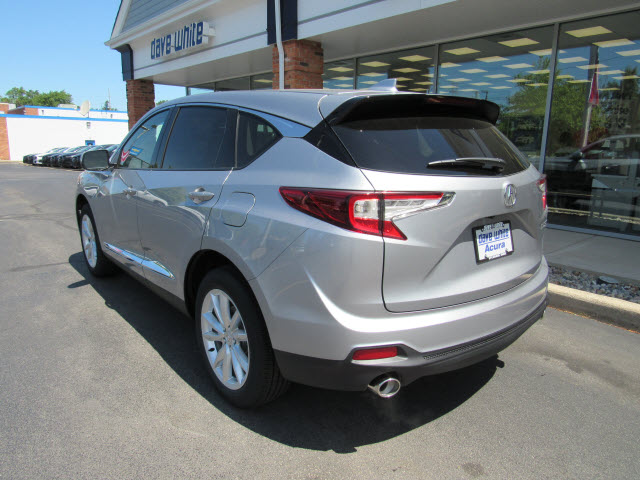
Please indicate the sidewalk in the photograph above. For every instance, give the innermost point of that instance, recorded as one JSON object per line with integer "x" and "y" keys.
{"x": 596, "y": 254}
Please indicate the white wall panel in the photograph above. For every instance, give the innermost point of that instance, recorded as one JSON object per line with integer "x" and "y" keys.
{"x": 28, "y": 134}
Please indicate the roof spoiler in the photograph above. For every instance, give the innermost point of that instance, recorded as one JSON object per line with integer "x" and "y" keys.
{"x": 412, "y": 105}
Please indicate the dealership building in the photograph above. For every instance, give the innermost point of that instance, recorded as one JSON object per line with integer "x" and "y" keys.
{"x": 565, "y": 73}
{"x": 35, "y": 129}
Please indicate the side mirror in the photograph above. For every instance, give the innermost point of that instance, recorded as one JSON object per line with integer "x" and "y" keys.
{"x": 95, "y": 160}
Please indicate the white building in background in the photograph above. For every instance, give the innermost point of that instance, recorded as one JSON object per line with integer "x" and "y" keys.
{"x": 35, "y": 129}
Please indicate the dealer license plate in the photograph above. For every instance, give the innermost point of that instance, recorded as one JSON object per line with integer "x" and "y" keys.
{"x": 493, "y": 241}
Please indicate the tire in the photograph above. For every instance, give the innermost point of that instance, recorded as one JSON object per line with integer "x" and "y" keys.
{"x": 97, "y": 263}
{"x": 234, "y": 343}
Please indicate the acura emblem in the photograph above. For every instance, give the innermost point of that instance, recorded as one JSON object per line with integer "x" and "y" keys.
{"x": 510, "y": 195}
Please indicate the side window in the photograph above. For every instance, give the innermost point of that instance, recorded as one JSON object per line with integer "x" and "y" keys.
{"x": 255, "y": 136}
{"x": 138, "y": 151}
{"x": 197, "y": 141}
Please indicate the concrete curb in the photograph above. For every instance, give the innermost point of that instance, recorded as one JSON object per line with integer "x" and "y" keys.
{"x": 606, "y": 309}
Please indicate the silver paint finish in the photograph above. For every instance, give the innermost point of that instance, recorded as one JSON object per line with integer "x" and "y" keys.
{"x": 316, "y": 307}
{"x": 271, "y": 225}
{"x": 296, "y": 106}
{"x": 171, "y": 224}
{"x": 304, "y": 107}
{"x": 200, "y": 195}
{"x": 115, "y": 211}
{"x": 435, "y": 267}
{"x": 323, "y": 290}
{"x": 236, "y": 208}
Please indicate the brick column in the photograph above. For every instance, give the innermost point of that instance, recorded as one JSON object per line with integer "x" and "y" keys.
{"x": 141, "y": 98}
{"x": 4, "y": 140}
{"x": 303, "y": 64}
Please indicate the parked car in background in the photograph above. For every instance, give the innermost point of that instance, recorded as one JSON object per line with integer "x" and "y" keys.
{"x": 76, "y": 159}
{"x": 343, "y": 240}
{"x": 65, "y": 161}
{"x": 29, "y": 159}
{"x": 39, "y": 159}
{"x": 46, "y": 159}
{"x": 611, "y": 163}
{"x": 56, "y": 160}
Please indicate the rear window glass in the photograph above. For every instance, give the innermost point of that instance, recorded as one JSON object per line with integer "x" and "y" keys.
{"x": 255, "y": 136}
{"x": 407, "y": 145}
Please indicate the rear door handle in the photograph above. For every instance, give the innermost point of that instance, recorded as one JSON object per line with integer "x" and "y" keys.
{"x": 200, "y": 195}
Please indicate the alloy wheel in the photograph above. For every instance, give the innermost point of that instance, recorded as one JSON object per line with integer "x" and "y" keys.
{"x": 89, "y": 241}
{"x": 225, "y": 339}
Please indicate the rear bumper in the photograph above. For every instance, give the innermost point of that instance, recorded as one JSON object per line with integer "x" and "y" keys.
{"x": 350, "y": 375}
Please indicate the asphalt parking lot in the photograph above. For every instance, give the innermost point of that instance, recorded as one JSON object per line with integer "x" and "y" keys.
{"x": 99, "y": 378}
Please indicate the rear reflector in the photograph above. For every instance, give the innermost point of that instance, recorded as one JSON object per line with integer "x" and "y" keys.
{"x": 363, "y": 212}
{"x": 375, "y": 353}
{"x": 542, "y": 186}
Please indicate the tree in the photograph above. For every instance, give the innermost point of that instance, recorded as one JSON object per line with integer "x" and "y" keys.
{"x": 20, "y": 97}
{"x": 53, "y": 98}
{"x": 160, "y": 102}
{"x": 568, "y": 108}
{"x": 621, "y": 103}
{"x": 107, "y": 106}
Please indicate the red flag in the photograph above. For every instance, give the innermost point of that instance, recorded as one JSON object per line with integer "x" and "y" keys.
{"x": 594, "y": 95}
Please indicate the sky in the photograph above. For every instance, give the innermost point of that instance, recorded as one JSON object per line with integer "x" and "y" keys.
{"x": 47, "y": 45}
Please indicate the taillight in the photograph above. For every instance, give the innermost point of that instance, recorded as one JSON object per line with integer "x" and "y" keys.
{"x": 542, "y": 186}
{"x": 364, "y": 212}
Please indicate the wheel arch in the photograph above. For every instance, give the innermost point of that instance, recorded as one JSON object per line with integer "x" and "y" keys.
{"x": 200, "y": 264}
{"x": 81, "y": 201}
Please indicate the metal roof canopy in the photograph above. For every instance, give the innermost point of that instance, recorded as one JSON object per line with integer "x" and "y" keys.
{"x": 363, "y": 28}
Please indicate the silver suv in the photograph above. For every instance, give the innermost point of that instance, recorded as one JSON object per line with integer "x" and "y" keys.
{"x": 336, "y": 239}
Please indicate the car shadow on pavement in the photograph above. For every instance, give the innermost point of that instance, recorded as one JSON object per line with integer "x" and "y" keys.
{"x": 304, "y": 417}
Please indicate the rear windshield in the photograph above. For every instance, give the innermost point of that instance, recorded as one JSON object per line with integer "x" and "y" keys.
{"x": 407, "y": 145}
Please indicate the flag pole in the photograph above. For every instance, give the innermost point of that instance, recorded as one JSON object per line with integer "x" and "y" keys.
{"x": 594, "y": 99}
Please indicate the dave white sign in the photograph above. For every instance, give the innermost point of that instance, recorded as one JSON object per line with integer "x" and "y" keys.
{"x": 185, "y": 38}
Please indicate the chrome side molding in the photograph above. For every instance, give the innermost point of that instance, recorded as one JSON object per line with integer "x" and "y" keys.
{"x": 150, "y": 265}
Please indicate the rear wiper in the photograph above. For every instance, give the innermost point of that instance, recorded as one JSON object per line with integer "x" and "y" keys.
{"x": 473, "y": 162}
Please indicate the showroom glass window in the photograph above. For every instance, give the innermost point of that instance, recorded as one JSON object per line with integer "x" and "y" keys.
{"x": 139, "y": 150}
{"x": 593, "y": 148}
{"x": 510, "y": 69}
{"x": 339, "y": 75}
{"x": 241, "y": 83}
{"x": 196, "y": 141}
{"x": 263, "y": 81}
{"x": 413, "y": 69}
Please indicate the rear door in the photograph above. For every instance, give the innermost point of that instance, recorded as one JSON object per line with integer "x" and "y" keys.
{"x": 179, "y": 194}
{"x": 475, "y": 244}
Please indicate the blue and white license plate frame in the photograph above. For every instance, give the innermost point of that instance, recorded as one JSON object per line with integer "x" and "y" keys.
{"x": 493, "y": 241}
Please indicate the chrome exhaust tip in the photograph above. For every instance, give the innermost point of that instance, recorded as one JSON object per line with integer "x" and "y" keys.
{"x": 385, "y": 387}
